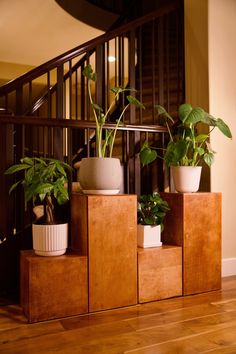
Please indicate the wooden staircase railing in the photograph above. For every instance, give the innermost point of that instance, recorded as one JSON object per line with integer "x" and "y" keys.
{"x": 50, "y": 114}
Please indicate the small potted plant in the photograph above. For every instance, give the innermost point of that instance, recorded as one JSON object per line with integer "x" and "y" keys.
{"x": 102, "y": 174}
{"x": 187, "y": 148}
{"x": 44, "y": 181}
{"x": 151, "y": 212}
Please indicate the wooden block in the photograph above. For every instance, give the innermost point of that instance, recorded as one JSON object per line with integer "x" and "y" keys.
{"x": 159, "y": 273}
{"x": 194, "y": 222}
{"x": 111, "y": 238}
{"x": 79, "y": 223}
{"x": 53, "y": 287}
{"x": 112, "y": 245}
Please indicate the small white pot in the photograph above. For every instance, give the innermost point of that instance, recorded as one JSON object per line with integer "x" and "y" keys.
{"x": 100, "y": 175}
{"x": 50, "y": 240}
{"x": 149, "y": 236}
{"x": 186, "y": 178}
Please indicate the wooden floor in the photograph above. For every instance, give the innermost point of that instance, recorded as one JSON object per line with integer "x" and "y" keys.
{"x": 203, "y": 323}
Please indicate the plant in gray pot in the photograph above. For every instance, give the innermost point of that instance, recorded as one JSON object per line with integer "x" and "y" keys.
{"x": 44, "y": 181}
{"x": 151, "y": 211}
{"x": 102, "y": 174}
{"x": 187, "y": 147}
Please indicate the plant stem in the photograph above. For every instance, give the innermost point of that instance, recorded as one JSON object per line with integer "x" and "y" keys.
{"x": 98, "y": 127}
{"x": 115, "y": 130}
{"x": 49, "y": 210}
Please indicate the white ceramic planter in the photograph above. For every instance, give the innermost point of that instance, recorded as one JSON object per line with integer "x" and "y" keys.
{"x": 50, "y": 240}
{"x": 186, "y": 178}
{"x": 100, "y": 175}
{"x": 149, "y": 236}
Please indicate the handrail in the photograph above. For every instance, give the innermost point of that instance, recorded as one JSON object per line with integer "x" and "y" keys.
{"x": 69, "y": 55}
{"x": 72, "y": 123}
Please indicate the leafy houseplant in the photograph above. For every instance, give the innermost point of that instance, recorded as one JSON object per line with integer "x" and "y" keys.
{"x": 43, "y": 181}
{"x": 101, "y": 117}
{"x": 187, "y": 146}
{"x": 151, "y": 211}
{"x": 102, "y": 174}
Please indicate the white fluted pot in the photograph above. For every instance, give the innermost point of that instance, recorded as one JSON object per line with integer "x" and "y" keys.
{"x": 50, "y": 240}
{"x": 149, "y": 235}
{"x": 186, "y": 178}
{"x": 100, "y": 175}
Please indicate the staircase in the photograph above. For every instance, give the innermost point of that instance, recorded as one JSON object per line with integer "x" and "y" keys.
{"x": 46, "y": 111}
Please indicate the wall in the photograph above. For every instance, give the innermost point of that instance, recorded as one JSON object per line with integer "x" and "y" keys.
{"x": 210, "y": 52}
{"x": 10, "y": 71}
{"x": 222, "y": 101}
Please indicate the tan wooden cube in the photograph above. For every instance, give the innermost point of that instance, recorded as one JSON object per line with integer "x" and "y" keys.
{"x": 104, "y": 227}
{"x": 194, "y": 222}
{"x": 159, "y": 273}
{"x": 53, "y": 287}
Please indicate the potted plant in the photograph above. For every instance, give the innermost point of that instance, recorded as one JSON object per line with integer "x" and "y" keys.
{"x": 151, "y": 211}
{"x": 102, "y": 174}
{"x": 44, "y": 181}
{"x": 187, "y": 147}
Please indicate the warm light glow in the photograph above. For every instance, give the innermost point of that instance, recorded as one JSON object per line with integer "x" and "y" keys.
{"x": 111, "y": 59}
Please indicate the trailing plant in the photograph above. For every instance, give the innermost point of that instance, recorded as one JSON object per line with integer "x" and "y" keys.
{"x": 44, "y": 180}
{"x": 186, "y": 147}
{"x": 152, "y": 209}
{"x": 101, "y": 117}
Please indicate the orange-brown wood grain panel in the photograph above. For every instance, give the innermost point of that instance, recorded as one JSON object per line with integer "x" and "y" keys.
{"x": 195, "y": 223}
{"x": 112, "y": 245}
{"x": 79, "y": 223}
{"x": 53, "y": 287}
{"x": 159, "y": 273}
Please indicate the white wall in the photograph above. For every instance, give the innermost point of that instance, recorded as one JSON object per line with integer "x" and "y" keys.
{"x": 210, "y": 54}
{"x": 222, "y": 102}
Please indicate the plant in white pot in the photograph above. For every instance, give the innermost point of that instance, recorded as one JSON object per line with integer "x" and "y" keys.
{"x": 151, "y": 211}
{"x": 44, "y": 181}
{"x": 187, "y": 147}
{"x": 102, "y": 174}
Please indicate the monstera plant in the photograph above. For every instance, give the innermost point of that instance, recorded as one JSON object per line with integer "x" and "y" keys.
{"x": 187, "y": 146}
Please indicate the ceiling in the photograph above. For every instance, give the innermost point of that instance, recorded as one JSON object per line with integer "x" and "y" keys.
{"x": 34, "y": 31}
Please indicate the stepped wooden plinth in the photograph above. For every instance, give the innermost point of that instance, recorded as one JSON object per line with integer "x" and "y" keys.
{"x": 159, "y": 273}
{"x": 104, "y": 227}
{"x": 194, "y": 223}
{"x": 53, "y": 287}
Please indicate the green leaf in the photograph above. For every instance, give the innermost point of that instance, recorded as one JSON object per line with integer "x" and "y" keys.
{"x": 209, "y": 158}
{"x": 147, "y": 155}
{"x": 184, "y": 111}
{"x": 175, "y": 152}
{"x": 223, "y": 127}
{"x": 161, "y": 111}
{"x": 189, "y": 115}
{"x": 14, "y": 186}
{"x": 201, "y": 138}
{"x": 16, "y": 168}
{"x": 209, "y": 120}
{"x": 97, "y": 107}
{"x": 135, "y": 101}
{"x": 88, "y": 72}
{"x": 60, "y": 169}
{"x": 28, "y": 160}
{"x": 199, "y": 150}
{"x": 149, "y": 221}
{"x": 120, "y": 89}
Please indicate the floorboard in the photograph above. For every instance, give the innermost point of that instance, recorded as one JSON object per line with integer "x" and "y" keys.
{"x": 204, "y": 323}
